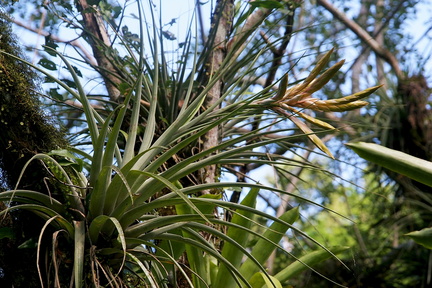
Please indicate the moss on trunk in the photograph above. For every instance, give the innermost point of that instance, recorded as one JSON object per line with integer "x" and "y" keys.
{"x": 25, "y": 130}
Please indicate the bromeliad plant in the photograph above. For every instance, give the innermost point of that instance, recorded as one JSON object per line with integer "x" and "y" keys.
{"x": 300, "y": 96}
{"x": 404, "y": 164}
{"x": 131, "y": 214}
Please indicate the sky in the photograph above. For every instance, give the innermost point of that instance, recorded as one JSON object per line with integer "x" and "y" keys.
{"x": 183, "y": 12}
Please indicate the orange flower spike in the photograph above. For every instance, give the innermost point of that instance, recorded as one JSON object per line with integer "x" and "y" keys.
{"x": 312, "y": 76}
{"x": 319, "y": 82}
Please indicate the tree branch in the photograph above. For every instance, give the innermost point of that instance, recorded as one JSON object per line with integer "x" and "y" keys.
{"x": 100, "y": 42}
{"x": 75, "y": 43}
{"x": 365, "y": 37}
{"x": 280, "y": 51}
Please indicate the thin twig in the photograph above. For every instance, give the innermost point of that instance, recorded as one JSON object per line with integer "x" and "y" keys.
{"x": 364, "y": 36}
{"x": 75, "y": 43}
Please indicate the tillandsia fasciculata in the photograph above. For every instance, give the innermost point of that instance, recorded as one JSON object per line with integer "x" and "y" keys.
{"x": 287, "y": 100}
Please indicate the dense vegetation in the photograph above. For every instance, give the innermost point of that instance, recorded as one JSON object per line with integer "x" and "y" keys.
{"x": 133, "y": 165}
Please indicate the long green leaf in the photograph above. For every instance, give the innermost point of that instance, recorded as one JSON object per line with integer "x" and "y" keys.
{"x": 151, "y": 222}
{"x": 90, "y": 113}
{"x": 196, "y": 259}
{"x": 226, "y": 239}
{"x": 259, "y": 279}
{"x": 164, "y": 257}
{"x": 133, "y": 127}
{"x": 45, "y": 213}
{"x": 415, "y": 168}
{"x": 263, "y": 248}
{"x": 229, "y": 251}
{"x": 151, "y": 118}
{"x": 79, "y": 249}
{"x": 124, "y": 190}
{"x": 199, "y": 262}
{"x": 307, "y": 261}
{"x": 422, "y": 237}
{"x": 205, "y": 248}
{"x": 60, "y": 174}
{"x": 99, "y": 193}
{"x": 33, "y": 197}
{"x": 178, "y": 191}
{"x": 146, "y": 271}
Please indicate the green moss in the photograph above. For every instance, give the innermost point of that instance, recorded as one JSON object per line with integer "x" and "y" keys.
{"x": 24, "y": 129}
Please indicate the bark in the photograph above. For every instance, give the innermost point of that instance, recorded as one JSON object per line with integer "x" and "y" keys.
{"x": 99, "y": 40}
{"x": 221, "y": 26}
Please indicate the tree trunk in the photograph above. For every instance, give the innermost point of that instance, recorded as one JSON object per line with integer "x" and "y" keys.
{"x": 99, "y": 40}
{"x": 221, "y": 27}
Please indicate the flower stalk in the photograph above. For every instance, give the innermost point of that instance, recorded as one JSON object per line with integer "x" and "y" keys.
{"x": 300, "y": 96}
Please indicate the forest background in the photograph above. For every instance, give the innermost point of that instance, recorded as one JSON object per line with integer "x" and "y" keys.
{"x": 343, "y": 201}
